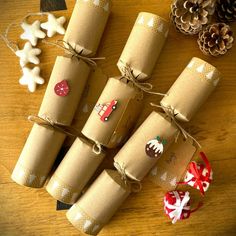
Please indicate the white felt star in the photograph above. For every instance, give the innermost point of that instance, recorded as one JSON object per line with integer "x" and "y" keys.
{"x": 28, "y": 54}
{"x": 32, "y": 32}
{"x": 31, "y": 78}
{"x": 54, "y": 25}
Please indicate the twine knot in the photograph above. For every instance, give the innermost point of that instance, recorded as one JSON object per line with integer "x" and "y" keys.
{"x": 135, "y": 185}
{"x": 97, "y": 148}
{"x": 71, "y": 51}
{"x": 47, "y": 122}
{"x": 170, "y": 112}
{"x": 127, "y": 73}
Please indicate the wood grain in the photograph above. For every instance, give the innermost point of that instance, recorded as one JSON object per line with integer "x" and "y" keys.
{"x": 27, "y": 212}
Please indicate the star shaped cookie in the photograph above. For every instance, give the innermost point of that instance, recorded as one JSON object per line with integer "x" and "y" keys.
{"x": 28, "y": 54}
{"x": 32, "y": 32}
{"x": 31, "y": 78}
{"x": 54, "y": 25}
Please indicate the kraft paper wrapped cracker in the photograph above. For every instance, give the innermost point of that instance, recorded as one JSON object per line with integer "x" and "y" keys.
{"x": 115, "y": 113}
{"x": 144, "y": 45}
{"x": 100, "y": 202}
{"x": 141, "y": 152}
{"x": 89, "y": 17}
{"x": 120, "y": 103}
{"x": 75, "y": 170}
{"x": 62, "y": 96}
{"x": 194, "y": 85}
{"x": 187, "y": 94}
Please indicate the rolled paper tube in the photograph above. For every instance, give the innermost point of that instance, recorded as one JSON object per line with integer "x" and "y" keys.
{"x": 74, "y": 74}
{"x": 141, "y": 152}
{"x": 191, "y": 89}
{"x": 43, "y": 144}
{"x": 74, "y": 172}
{"x": 99, "y": 203}
{"x": 144, "y": 45}
{"x": 114, "y": 114}
{"x": 61, "y": 99}
{"x": 90, "y": 18}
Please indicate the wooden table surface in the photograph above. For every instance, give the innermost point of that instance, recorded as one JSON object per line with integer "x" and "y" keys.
{"x": 25, "y": 211}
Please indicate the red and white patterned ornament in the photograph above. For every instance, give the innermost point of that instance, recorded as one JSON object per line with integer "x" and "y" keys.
{"x": 198, "y": 175}
{"x": 177, "y": 205}
{"x": 62, "y": 88}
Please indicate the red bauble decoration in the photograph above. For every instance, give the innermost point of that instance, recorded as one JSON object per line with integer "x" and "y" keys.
{"x": 62, "y": 88}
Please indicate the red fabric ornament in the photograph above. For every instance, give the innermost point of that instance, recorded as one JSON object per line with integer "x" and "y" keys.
{"x": 177, "y": 205}
{"x": 62, "y": 89}
{"x": 199, "y": 176}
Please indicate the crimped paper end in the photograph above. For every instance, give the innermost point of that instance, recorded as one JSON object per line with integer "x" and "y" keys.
{"x": 24, "y": 177}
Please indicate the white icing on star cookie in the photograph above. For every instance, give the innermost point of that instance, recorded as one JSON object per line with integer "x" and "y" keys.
{"x": 32, "y": 32}
{"x": 54, "y": 25}
{"x": 31, "y": 78}
{"x": 28, "y": 54}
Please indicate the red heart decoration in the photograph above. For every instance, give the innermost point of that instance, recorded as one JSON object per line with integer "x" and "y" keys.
{"x": 62, "y": 89}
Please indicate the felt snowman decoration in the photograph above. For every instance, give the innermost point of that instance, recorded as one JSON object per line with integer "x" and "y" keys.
{"x": 155, "y": 147}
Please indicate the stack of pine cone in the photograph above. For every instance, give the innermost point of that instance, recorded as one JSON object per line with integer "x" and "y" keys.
{"x": 193, "y": 17}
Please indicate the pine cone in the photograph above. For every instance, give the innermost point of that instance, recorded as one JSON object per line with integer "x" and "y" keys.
{"x": 226, "y": 10}
{"x": 189, "y": 16}
{"x": 216, "y": 39}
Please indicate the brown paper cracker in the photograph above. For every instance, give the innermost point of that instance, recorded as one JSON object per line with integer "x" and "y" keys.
{"x": 120, "y": 120}
{"x": 191, "y": 89}
{"x": 132, "y": 156}
{"x": 43, "y": 145}
{"x": 90, "y": 31}
{"x": 99, "y": 203}
{"x": 74, "y": 172}
{"x": 142, "y": 54}
{"x": 75, "y": 72}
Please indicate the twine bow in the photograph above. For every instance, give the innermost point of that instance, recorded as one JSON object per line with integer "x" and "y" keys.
{"x": 136, "y": 186}
{"x": 178, "y": 207}
{"x": 171, "y": 114}
{"x": 198, "y": 177}
{"x": 46, "y": 122}
{"x": 71, "y": 51}
{"x": 143, "y": 86}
